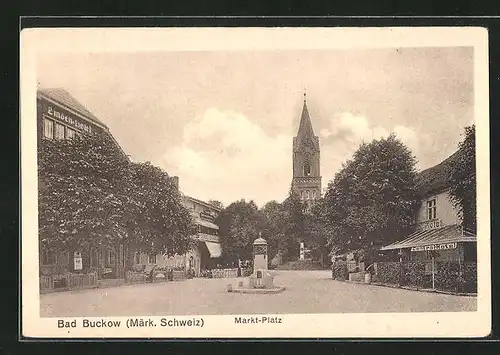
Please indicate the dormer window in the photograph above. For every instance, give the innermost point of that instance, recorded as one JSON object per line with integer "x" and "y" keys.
{"x": 431, "y": 209}
{"x": 307, "y": 169}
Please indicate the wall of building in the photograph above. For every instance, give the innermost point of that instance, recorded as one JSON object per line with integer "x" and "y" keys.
{"x": 446, "y": 214}
{"x": 72, "y": 121}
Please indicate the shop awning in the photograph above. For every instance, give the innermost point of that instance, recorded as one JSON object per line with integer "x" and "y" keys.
{"x": 207, "y": 224}
{"x": 433, "y": 239}
{"x": 214, "y": 249}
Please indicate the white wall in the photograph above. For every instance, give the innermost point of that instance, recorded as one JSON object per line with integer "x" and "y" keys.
{"x": 445, "y": 211}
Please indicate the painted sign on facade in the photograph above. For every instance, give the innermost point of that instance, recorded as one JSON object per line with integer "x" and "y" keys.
{"x": 72, "y": 121}
{"x": 428, "y": 225}
{"x": 445, "y": 246}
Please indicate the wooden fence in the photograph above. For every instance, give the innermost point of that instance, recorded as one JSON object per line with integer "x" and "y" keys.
{"x": 67, "y": 281}
{"x": 224, "y": 273}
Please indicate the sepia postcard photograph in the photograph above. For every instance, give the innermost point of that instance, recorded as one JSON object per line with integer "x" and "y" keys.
{"x": 255, "y": 182}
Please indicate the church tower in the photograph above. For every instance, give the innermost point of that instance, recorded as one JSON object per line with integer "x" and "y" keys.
{"x": 306, "y": 181}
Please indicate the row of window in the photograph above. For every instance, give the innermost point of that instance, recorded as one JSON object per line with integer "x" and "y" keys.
{"x": 50, "y": 257}
{"x": 308, "y": 195}
{"x": 54, "y": 130}
{"x": 206, "y": 230}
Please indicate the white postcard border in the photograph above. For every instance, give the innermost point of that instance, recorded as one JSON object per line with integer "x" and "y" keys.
{"x": 394, "y": 325}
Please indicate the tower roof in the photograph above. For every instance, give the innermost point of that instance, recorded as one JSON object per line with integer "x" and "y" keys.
{"x": 305, "y": 125}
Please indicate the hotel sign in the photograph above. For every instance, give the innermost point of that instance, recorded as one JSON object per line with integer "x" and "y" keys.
{"x": 445, "y": 246}
{"x": 428, "y": 225}
{"x": 70, "y": 120}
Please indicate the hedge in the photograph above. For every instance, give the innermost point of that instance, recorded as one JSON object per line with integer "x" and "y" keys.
{"x": 389, "y": 272}
{"x": 469, "y": 277}
{"x": 448, "y": 275}
{"x": 414, "y": 274}
{"x": 339, "y": 271}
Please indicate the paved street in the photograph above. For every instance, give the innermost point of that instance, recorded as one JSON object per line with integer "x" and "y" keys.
{"x": 307, "y": 292}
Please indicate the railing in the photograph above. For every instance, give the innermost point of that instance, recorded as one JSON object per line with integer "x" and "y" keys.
{"x": 80, "y": 281}
{"x": 224, "y": 273}
{"x": 67, "y": 281}
{"x": 135, "y": 277}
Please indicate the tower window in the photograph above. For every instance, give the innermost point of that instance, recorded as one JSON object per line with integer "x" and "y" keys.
{"x": 307, "y": 169}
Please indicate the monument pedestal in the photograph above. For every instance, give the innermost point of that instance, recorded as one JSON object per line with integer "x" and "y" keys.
{"x": 261, "y": 281}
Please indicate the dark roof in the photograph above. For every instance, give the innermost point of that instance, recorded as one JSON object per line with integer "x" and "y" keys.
{"x": 436, "y": 178}
{"x": 64, "y": 98}
{"x": 206, "y": 204}
{"x": 448, "y": 234}
{"x": 305, "y": 126}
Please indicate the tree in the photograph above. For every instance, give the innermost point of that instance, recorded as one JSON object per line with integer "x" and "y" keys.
{"x": 319, "y": 231}
{"x": 274, "y": 227}
{"x": 294, "y": 227}
{"x": 463, "y": 180}
{"x": 80, "y": 204}
{"x": 162, "y": 223}
{"x": 239, "y": 225}
{"x": 372, "y": 199}
{"x": 216, "y": 203}
{"x": 94, "y": 196}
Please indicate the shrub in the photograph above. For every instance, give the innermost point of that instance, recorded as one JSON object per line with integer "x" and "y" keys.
{"x": 206, "y": 273}
{"x": 247, "y": 271}
{"x": 414, "y": 274}
{"x": 470, "y": 277}
{"x": 339, "y": 271}
{"x": 389, "y": 272}
{"x": 446, "y": 275}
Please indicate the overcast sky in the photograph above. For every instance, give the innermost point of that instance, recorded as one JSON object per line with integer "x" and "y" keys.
{"x": 224, "y": 121}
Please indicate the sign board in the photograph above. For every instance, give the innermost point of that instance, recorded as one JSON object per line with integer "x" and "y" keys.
{"x": 71, "y": 120}
{"x": 445, "y": 246}
{"x": 77, "y": 259}
{"x": 428, "y": 225}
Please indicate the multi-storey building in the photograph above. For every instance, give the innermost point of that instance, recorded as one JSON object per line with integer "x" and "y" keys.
{"x": 61, "y": 116}
{"x": 206, "y": 250}
{"x": 437, "y": 221}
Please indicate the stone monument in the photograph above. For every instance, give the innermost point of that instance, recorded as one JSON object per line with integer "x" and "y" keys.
{"x": 261, "y": 280}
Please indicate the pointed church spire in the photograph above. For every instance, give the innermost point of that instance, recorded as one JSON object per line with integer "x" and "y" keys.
{"x": 305, "y": 126}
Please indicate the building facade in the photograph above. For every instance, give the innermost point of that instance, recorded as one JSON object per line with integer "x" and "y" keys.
{"x": 61, "y": 116}
{"x": 438, "y": 234}
{"x": 206, "y": 250}
{"x": 306, "y": 181}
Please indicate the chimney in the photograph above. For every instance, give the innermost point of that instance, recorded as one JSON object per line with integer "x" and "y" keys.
{"x": 175, "y": 181}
